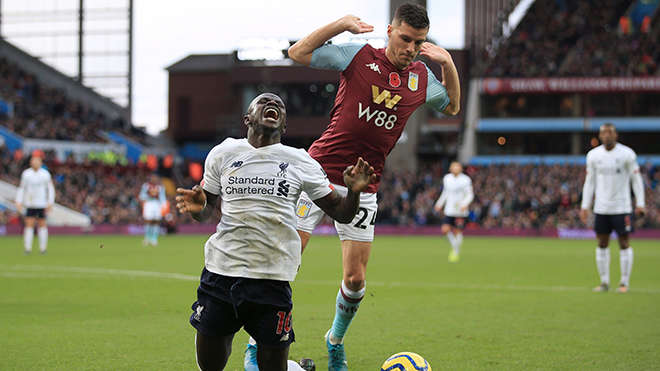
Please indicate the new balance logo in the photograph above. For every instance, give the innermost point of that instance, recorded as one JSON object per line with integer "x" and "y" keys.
{"x": 237, "y": 164}
{"x": 285, "y": 337}
{"x": 283, "y": 189}
{"x": 374, "y": 67}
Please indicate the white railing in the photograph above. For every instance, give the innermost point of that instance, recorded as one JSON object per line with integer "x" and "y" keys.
{"x": 59, "y": 216}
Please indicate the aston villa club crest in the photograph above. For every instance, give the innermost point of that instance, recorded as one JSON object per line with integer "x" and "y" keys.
{"x": 413, "y": 81}
{"x": 303, "y": 208}
{"x": 395, "y": 80}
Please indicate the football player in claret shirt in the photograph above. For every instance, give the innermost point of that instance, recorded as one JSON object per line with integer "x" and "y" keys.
{"x": 255, "y": 251}
{"x": 378, "y": 91}
{"x": 153, "y": 199}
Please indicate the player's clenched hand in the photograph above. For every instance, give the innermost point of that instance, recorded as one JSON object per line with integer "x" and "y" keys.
{"x": 358, "y": 177}
{"x": 435, "y": 53}
{"x": 354, "y": 25}
{"x": 190, "y": 200}
{"x": 640, "y": 211}
{"x": 584, "y": 214}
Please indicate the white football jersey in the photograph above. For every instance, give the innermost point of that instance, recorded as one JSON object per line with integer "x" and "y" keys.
{"x": 609, "y": 174}
{"x": 36, "y": 190}
{"x": 259, "y": 188}
{"x": 456, "y": 193}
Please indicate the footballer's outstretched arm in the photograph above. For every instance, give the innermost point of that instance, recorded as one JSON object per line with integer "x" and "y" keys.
{"x": 357, "y": 178}
{"x": 199, "y": 202}
{"x": 302, "y": 50}
{"x": 449, "y": 75}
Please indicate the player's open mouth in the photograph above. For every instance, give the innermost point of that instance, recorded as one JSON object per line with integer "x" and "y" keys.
{"x": 271, "y": 113}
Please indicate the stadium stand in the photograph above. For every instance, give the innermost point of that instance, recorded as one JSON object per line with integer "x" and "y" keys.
{"x": 507, "y": 195}
{"x": 556, "y": 34}
{"x": 611, "y": 38}
{"x": 517, "y": 196}
{"x": 33, "y": 110}
{"x": 106, "y": 193}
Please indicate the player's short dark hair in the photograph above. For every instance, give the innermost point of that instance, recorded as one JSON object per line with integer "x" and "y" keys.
{"x": 608, "y": 125}
{"x": 413, "y": 14}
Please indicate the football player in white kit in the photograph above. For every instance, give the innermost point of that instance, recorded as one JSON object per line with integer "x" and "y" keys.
{"x": 36, "y": 194}
{"x": 152, "y": 196}
{"x": 456, "y": 197}
{"x": 256, "y": 250}
{"x": 611, "y": 168}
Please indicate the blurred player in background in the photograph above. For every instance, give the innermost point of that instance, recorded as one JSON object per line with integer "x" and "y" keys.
{"x": 456, "y": 197}
{"x": 153, "y": 199}
{"x": 611, "y": 168}
{"x": 255, "y": 251}
{"x": 37, "y": 195}
{"x": 378, "y": 91}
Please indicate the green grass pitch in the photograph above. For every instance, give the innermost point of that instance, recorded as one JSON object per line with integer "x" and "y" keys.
{"x": 510, "y": 304}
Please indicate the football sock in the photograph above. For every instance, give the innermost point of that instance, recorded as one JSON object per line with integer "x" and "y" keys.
{"x": 603, "y": 264}
{"x": 154, "y": 232}
{"x": 626, "y": 260}
{"x": 147, "y": 232}
{"x": 459, "y": 242}
{"x": 28, "y": 234}
{"x": 452, "y": 240}
{"x": 43, "y": 238}
{"x": 348, "y": 302}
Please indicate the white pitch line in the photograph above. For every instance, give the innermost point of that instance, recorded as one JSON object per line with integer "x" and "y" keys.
{"x": 103, "y": 271}
{"x": 30, "y": 271}
{"x": 474, "y": 286}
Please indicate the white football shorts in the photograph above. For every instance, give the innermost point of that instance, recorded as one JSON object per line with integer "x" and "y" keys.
{"x": 152, "y": 210}
{"x": 360, "y": 229}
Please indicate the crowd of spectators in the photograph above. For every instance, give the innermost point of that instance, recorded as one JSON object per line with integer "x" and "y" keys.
{"x": 614, "y": 54}
{"x": 33, "y": 110}
{"x": 506, "y": 196}
{"x": 107, "y": 194}
{"x": 577, "y": 38}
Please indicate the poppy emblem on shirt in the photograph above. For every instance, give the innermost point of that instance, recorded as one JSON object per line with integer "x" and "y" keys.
{"x": 413, "y": 81}
{"x": 395, "y": 80}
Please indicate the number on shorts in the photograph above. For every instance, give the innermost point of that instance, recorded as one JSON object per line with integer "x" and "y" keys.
{"x": 364, "y": 214}
{"x": 283, "y": 322}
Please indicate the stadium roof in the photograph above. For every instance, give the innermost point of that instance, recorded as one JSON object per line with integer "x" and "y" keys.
{"x": 221, "y": 62}
{"x": 203, "y": 62}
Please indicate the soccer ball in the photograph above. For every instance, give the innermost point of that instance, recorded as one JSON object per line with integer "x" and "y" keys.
{"x": 307, "y": 364}
{"x": 406, "y": 361}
